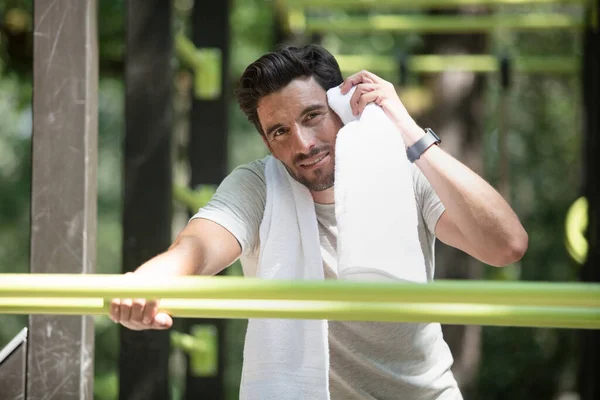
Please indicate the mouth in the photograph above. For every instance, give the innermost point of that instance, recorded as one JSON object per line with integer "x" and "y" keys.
{"x": 315, "y": 162}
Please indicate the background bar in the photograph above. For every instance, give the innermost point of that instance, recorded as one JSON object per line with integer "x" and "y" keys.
{"x": 418, "y": 4}
{"x": 440, "y": 63}
{"x": 442, "y": 24}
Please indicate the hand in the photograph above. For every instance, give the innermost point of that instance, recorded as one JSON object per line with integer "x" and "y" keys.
{"x": 372, "y": 89}
{"x": 139, "y": 314}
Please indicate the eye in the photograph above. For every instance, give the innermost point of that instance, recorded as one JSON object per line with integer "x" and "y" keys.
{"x": 278, "y": 132}
{"x": 312, "y": 115}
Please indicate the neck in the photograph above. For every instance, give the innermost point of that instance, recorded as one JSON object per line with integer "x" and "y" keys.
{"x": 323, "y": 196}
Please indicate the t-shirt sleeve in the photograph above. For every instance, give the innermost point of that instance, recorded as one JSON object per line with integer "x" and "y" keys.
{"x": 428, "y": 202}
{"x": 238, "y": 204}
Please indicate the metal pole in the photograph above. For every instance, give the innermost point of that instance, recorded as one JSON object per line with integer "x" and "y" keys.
{"x": 443, "y": 24}
{"x": 418, "y": 4}
{"x": 207, "y": 155}
{"x": 455, "y": 314}
{"x": 148, "y": 199}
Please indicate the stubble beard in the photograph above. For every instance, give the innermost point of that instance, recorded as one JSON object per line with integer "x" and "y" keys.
{"x": 322, "y": 180}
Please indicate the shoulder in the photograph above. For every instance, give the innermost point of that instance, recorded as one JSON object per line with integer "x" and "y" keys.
{"x": 239, "y": 202}
{"x": 246, "y": 176}
{"x": 254, "y": 170}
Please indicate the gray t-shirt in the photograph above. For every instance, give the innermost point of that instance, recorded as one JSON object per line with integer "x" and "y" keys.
{"x": 368, "y": 360}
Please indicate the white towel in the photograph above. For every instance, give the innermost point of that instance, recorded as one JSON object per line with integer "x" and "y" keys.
{"x": 287, "y": 359}
{"x": 375, "y": 204}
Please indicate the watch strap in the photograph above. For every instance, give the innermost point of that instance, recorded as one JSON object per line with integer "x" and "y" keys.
{"x": 415, "y": 151}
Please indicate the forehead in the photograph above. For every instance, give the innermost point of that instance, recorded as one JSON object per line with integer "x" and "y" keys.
{"x": 290, "y": 100}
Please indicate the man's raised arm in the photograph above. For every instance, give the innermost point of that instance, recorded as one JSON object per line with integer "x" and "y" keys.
{"x": 477, "y": 219}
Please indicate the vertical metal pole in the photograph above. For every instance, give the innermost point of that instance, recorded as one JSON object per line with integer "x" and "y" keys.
{"x": 207, "y": 154}
{"x": 280, "y": 36}
{"x": 63, "y": 196}
{"x": 503, "y": 129}
{"x": 590, "y": 340}
{"x": 147, "y": 208}
{"x": 208, "y": 125}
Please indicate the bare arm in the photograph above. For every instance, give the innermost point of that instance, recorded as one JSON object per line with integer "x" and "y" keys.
{"x": 477, "y": 219}
{"x": 202, "y": 248}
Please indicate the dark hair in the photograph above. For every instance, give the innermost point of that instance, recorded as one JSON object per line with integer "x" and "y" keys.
{"x": 273, "y": 71}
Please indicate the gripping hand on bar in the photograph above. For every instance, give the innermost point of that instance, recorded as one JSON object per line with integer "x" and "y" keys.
{"x": 193, "y": 253}
{"x": 139, "y": 314}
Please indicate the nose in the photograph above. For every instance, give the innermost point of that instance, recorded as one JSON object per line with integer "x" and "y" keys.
{"x": 305, "y": 139}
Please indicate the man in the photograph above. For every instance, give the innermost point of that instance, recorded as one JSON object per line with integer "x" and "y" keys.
{"x": 284, "y": 95}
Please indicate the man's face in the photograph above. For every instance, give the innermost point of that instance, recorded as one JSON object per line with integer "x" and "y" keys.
{"x": 300, "y": 130}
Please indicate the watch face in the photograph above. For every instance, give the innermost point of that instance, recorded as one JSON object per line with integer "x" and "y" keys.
{"x": 434, "y": 135}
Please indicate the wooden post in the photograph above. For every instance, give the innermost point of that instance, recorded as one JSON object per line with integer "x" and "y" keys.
{"x": 148, "y": 200}
{"x": 589, "y": 385}
{"x": 207, "y": 155}
{"x": 63, "y": 189}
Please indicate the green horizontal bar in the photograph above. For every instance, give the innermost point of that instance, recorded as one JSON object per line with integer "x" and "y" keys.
{"x": 416, "y": 4}
{"x": 463, "y": 314}
{"x": 442, "y": 24}
{"x": 197, "y": 287}
{"x": 440, "y": 63}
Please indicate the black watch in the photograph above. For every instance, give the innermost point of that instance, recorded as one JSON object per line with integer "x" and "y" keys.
{"x": 429, "y": 139}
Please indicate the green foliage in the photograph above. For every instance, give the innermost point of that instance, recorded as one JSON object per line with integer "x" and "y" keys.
{"x": 545, "y": 132}
{"x": 193, "y": 199}
{"x": 15, "y": 173}
{"x": 202, "y": 348}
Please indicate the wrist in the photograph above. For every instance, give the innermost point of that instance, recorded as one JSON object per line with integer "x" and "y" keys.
{"x": 416, "y": 150}
{"x": 412, "y": 135}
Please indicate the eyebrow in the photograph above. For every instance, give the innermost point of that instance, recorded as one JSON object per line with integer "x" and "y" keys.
{"x": 313, "y": 107}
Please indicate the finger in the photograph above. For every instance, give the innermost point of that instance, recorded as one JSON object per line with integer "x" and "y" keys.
{"x": 114, "y": 310}
{"x": 134, "y": 326}
{"x": 367, "y": 98}
{"x": 355, "y": 79}
{"x": 125, "y": 310}
{"x": 358, "y": 93}
{"x": 375, "y": 78}
{"x": 137, "y": 310}
{"x": 162, "y": 321}
{"x": 150, "y": 312}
